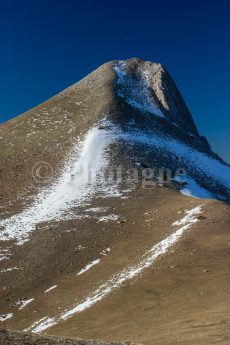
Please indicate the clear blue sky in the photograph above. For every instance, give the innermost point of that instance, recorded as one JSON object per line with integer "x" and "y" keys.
{"x": 47, "y": 45}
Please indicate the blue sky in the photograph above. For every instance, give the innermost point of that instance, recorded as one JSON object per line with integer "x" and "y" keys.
{"x": 48, "y": 45}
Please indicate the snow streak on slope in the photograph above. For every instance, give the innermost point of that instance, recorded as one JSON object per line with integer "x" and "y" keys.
{"x": 50, "y": 289}
{"x": 88, "y": 267}
{"x": 24, "y": 302}
{"x": 199, "y": 162}
{"x": 4, "y": 254}
{"x": 81, "y": 178}
{"x": 136, "y": 92}
{"x": 117, "y": 280}
{"x": 77, "y": 182}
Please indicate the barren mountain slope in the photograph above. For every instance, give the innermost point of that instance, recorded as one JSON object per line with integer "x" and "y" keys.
{"x": 96, "y": 240}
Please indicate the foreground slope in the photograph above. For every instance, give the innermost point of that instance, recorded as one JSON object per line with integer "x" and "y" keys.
{"x": 19, "y": 338}
{"x": 96, "y": 239}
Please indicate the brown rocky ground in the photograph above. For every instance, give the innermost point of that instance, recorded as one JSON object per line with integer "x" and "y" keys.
{"x": 183, "y": 298}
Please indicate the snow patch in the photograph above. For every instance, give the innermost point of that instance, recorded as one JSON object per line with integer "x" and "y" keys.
{"x": 109, "y": 217}
{"x": 80, "y": 247}
{"x": 88, "y": 267}
{"x": 24, "y": 302}
{"x": 5, "y": 317}
{"x": 189, "y": 218}
{"x": 77, "y": 182}
{"x": 105, "y": 251}
{"x": 97, "y": 209}
{"x": 34, "y": 324}
{"x": 136, "y": 92}
{"x": 193, "y": 189}
{"x": 41, "y": 325}
{"x": 4, "y": 254}
{"x": 200, "y": 162}
{"x": 10, "y": 269}
{"x": 50, "y": 289}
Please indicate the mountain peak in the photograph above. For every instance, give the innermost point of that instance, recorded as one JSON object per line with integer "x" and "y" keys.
{"x": 155, "y": 88}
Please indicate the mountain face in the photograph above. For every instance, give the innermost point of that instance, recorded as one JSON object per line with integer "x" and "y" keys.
{"x": 91, "y": 208}
{"x": 136, "y": 97}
